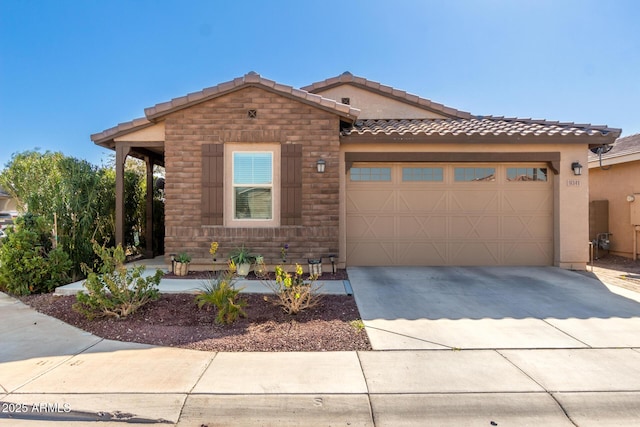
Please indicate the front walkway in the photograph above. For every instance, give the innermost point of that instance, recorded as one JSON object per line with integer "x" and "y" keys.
{"x": 192, "y": 286}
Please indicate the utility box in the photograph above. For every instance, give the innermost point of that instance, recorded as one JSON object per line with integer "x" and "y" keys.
{"x": 598, "y": 218}
{"x": 635, "y": 210}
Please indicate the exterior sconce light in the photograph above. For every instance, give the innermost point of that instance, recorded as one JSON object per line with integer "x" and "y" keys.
{"x": 577, "y": 168}
{"x": 320, "y": 164}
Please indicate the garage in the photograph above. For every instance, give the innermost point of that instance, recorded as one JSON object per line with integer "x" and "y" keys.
{"x": 462, "y": 214}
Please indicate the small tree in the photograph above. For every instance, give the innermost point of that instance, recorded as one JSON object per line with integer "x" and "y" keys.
{"x": 28, "y": 261}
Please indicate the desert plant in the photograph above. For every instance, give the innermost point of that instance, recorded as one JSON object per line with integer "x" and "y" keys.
{"x": 114, "y": 290}
{"x": 28, "y": 261}
{"x": 241, "y": 256}
{"x": 292, "y": 292}
{"x": 220, "y": 291}
{"x": 183, "y": 257}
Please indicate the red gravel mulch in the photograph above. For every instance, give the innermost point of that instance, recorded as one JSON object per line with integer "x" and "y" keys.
{"x": 175, "y": 321}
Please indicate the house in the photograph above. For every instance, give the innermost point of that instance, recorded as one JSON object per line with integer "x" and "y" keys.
{"x": 7, "y": 203}
{"x": 362, "y": 171}
{"x": 614, "y": 195}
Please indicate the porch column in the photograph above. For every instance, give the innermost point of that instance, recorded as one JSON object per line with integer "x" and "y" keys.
{"x": 122, "y": 151}
{"x": 148, "y": 232}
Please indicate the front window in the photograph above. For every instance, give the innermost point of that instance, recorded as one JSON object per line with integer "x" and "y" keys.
{"x": 253, "y": 185}
{"x": 474, "y": 174}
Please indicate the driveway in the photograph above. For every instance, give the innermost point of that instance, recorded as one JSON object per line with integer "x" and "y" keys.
{"x": 492, "y": 308}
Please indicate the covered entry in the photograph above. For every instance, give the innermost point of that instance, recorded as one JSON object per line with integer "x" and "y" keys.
{"x": 431, "y": 214}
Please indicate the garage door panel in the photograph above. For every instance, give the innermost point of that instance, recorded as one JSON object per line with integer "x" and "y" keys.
{"x": 371, "y": 253}
{"x": 424, "y": 253}
{"x": 525, "y": 227}
{"x": 422, "y": 201}
{"x": 448, "y": 222}
{"x": 475, "y": 200}
{"x": 474, "y": 253}
{"x": 474, "y": 227}
{"x": 364, "y": 227}
{"x": 528, "y": 253}
{"x": 371, "y": 200}
{"x": 429, "y": 227}
{"x": 527, "y": 201}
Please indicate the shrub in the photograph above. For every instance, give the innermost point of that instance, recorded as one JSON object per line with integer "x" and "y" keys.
{"x": 292, "y": 292}
{"x": 115, "y": 291}
{"x": 28, "y": 261}
{"x": 220, "y": 292}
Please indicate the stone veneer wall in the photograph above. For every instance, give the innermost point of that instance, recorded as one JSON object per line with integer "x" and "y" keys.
{"x": 225, "y": 119}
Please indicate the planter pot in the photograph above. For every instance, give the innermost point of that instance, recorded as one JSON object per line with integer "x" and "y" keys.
{"x": 182, "y": 268}
{"x": 243, "y": 269}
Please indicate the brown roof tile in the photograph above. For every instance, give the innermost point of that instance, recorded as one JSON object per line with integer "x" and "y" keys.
{"x": 348, "y": 78}
{"x": 250, "y": 79}
{"x": 621, "y": 147}
{"x": 490, "y": 125}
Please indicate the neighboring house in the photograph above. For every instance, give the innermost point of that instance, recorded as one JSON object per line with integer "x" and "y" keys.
{"x": 615, "y": 179}
{"x": 8, "y": 203}
{"x": 363, "y": 171}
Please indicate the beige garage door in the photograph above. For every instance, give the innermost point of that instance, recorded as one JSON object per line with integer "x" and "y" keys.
{"x": 449, "y": 214}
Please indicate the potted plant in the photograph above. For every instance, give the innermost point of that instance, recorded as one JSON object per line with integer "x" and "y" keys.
{"x": 181, "y": 261}
{"x": 243, "y": 259}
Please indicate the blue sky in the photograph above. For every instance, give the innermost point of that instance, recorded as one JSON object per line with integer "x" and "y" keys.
{"x": 72, "y": 68}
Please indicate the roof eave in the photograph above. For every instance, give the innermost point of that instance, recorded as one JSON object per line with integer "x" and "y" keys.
{"x": 590, "y": 140}
{"x": 106, "y": 138}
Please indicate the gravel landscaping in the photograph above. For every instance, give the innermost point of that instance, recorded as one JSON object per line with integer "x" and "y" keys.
{"x": 175, "y": 320}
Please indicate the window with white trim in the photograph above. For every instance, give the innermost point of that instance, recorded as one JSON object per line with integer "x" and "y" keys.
{"x": 252, "y": 185}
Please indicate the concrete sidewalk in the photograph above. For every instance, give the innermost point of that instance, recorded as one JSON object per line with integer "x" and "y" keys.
{"x": 192, "y": 286}
{"x": 52, "y": 374}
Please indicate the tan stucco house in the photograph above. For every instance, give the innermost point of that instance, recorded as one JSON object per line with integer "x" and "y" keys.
{"x": 7, "y": 203}
{"x": 614, "y": 194}
{"x": 363, "y": 171}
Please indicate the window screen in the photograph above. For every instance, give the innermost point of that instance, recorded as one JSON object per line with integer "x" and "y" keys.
{"x": 253, "y": 185}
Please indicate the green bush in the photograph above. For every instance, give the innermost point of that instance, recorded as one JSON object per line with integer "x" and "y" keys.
{"x": 221, "y": 293}
{"x": 28, "y": 261}
{"x": 115, "y": 291}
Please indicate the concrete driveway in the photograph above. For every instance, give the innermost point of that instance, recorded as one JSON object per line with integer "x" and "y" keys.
{"x": 492, "y": 308}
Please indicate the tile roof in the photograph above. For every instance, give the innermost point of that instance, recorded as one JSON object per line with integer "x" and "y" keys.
{"x": 477, "y": 126}
{"x": 348, "y": 78}
{"x": 621, "y": 147}
{"x": 250, "y": 79}
{"x": 120, "y": 129}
